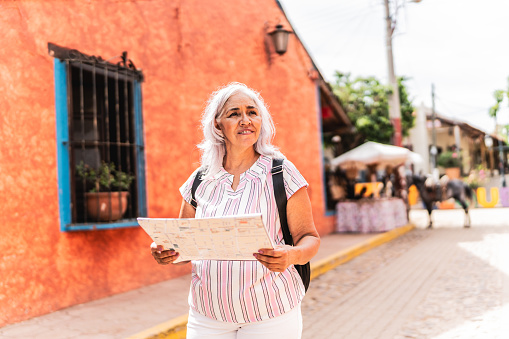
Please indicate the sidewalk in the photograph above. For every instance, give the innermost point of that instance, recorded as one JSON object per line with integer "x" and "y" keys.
{"x": 158, "y": 308}
{"x": 448, "y": 282}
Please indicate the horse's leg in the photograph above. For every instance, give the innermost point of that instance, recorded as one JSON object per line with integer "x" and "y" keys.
{"x": 459, "y": 191}
{"x": 467, "y": 219}
{"x": 465, "y": 208}
{"x": 460, "y": 198}
{"x": 429, "y": 207}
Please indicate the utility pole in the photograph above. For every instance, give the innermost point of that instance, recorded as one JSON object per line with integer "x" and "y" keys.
{"x": 394, "y": 104}
{"x": 501, "y": 162}
{"x": 501, "y": 166}
{"x": 433, "y": 149}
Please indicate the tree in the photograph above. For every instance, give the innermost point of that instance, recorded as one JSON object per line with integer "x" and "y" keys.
{"x": 367, "y": 105}
{"x": 407, "y": 108}
{"x": 498, "y": 95}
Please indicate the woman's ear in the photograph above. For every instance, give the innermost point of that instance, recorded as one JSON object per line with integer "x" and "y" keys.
{"x": 218, "y": 128}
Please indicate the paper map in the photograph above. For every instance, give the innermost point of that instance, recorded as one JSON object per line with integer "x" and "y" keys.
{"x": 224, "y": 238}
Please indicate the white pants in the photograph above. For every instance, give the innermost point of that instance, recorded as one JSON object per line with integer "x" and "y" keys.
{"x": 286, "y": 326}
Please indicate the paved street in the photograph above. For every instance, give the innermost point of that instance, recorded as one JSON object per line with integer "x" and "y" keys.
{"x": 447, "y": 282}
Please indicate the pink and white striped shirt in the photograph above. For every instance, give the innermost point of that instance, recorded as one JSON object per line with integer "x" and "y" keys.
{"x": 244, "y": 291}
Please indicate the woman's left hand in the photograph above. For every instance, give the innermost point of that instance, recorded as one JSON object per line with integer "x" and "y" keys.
{"x": 277, "y": 259}
{"x": 305, "y": 237}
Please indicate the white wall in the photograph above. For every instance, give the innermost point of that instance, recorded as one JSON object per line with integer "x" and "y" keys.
{"x": 418, "y": 137}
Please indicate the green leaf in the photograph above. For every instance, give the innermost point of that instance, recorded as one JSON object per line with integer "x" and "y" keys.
{"x": 104, "y": 178}
{"x": 366, "y": 103}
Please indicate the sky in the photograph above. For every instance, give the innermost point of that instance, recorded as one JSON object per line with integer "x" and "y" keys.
{"x": 460, "y": 46}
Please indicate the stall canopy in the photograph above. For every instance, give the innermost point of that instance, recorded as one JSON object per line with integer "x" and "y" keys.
{"x": 373, "y": 153}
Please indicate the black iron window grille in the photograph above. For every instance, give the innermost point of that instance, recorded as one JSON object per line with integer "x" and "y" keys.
{"x": 103, "y": 145}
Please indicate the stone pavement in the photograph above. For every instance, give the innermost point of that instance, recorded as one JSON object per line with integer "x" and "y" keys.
{"x": 129, "y": 313}
{"x": 447, "y": 282}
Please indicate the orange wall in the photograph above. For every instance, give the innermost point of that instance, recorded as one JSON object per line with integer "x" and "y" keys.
{"x": 186, "y": 51}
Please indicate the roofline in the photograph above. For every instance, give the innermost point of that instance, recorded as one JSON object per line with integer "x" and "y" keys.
{"x": 465, "y": 125}
{"x": 324, "y": 85}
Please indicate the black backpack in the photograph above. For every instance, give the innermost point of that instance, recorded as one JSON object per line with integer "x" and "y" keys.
{"x": 281, "y": 201}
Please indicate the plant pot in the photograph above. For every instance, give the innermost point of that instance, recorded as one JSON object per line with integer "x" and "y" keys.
{"x": 106, "y": 206}
{"x": 453, "y": 172}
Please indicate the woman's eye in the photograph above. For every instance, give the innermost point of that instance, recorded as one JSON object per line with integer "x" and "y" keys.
{"x": 234, "y": 114}
{"x": 253, "y": 112}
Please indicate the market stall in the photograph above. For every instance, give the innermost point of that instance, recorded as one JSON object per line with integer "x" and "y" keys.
{"x": 370, "y": 215}
{"x": 375, "y": 214}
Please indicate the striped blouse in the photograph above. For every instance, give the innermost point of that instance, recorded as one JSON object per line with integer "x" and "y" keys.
{"x": 244, "y": 291}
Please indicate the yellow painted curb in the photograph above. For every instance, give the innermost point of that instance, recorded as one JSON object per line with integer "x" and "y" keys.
{"x": 326, "y": 264}
{"x": 176, "y": 328}
{"x": 172, "y": 329}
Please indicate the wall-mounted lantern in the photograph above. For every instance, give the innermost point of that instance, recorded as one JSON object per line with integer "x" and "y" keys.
{"x": 488, "y": 141}
{"x": 280, "y": 39}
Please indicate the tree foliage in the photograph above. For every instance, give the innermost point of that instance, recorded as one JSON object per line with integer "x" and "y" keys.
{"x": 498, "y": 95}
{"x": 407, "y": 108}
{"x": 366, "y": 102}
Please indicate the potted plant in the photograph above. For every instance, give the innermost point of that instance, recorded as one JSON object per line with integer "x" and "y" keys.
{"x": 451, "y": 162}
{"x": 106, "y": 200}
{"x": 476, "y": 178}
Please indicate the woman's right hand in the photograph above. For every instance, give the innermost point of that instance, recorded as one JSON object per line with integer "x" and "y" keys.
{"x": 164, "y": 257}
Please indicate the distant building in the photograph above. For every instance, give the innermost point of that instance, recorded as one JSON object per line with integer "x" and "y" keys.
{"x": 452, "y": 134}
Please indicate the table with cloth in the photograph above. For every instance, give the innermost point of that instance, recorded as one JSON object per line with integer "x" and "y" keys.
{"x": 370, "y": 215}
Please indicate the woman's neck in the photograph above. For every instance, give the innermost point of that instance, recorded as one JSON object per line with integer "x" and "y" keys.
{"x": 238, "y": 162}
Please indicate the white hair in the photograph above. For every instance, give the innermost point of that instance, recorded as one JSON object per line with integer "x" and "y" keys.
{"x": 213, "y": 146}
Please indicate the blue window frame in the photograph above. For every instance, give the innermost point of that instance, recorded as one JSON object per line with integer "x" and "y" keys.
{"x": 111, "y": 134}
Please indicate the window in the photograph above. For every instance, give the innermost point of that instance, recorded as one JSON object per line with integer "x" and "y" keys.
{"x": 99, "y": 129}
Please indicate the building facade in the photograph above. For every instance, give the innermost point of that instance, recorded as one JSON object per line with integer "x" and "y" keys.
{"x": 472, "y": 144}
{"x": 72, "y": 96}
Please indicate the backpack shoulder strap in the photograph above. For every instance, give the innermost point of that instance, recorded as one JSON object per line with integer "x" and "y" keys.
{"x": 280, "y": 195}
{"x": 197, "y": 181}
{"x": 281, "y": 201}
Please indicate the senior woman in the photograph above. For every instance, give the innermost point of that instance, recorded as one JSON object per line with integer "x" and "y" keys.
{"x": 246, "y": 299}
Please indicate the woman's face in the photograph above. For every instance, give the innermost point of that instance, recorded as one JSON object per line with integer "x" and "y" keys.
{"x": 240, "y": 122}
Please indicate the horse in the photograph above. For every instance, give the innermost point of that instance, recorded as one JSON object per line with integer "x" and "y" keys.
{"x": 443, "y": 190}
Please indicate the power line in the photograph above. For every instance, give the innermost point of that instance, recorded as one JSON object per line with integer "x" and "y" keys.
{"x": 448, "y": 108}
{"x": 339, "y": 47}
{"x": 332, "y": 20}
{"x": 462, "y": 104}
{"x": 325, "y": 14}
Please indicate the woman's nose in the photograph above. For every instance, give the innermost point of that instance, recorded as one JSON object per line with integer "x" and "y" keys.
{"x": 244, "y": 119}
